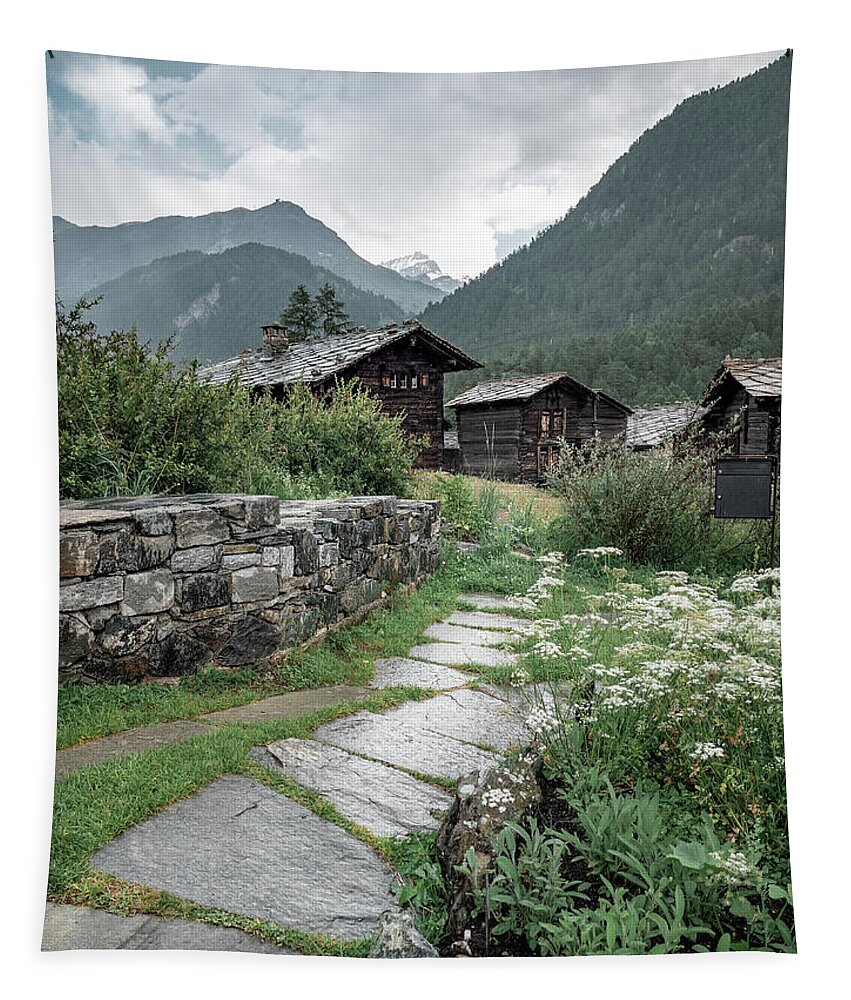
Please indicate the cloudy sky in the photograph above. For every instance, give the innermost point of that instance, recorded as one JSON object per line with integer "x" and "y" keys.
{"x": 464, "y": 167}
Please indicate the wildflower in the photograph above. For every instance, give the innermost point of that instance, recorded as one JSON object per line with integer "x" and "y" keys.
{"x": 519, "y": 677}
{"x": 541, "y": 720}
{"x": 706, "y": 751}
{"x": 548, "y": 650}
{"x": 600, "y": 552}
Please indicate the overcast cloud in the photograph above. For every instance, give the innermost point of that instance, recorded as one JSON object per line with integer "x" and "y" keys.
{"x": 461, "y": 166}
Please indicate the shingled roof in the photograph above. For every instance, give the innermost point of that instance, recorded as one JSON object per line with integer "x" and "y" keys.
{"x": 650, "y": 426}
{"x": 759, "y": 376}
{"x": 322, "y": 358}
{"x": 523, "y": 387}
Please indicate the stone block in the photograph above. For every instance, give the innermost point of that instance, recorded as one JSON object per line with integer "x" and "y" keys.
{"x": 179, "y": 654}
{"x": 270, "y": 555}
{"x": 91, "y": 593}
{"x": 78, "y": 553}
{"x": 151, "y": 551}
{"x": 329, "y": 554}
{"x": 76, "y": 640}
{"x": 262, "y": 512}
{"x": 148, "y": 592}
{"x": 251, "y": 640}
{"x": 306, "y": 550}
{"x": 153, "y": 522}
{"x": 122, "y": 636}
{"x": 286, "y": 568}
{"x": 203, "y": 557}
{"x": 202, "y": 591}
{"x": 200, "y": 527}
{"x": 255, "y": 583}
{"x": 239, "y": 560}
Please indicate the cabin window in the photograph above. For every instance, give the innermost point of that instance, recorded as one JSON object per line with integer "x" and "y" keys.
{"x": 413, "y": 381}
{"x": 547, "y": 460}
{"x": 393, "y": 381}
{"x": 424, "y": 380}
{"x": 558, "y": 423}
{"x": 403, "y": 381}
{"x": 545, "y": 423}
{"x": 385, "y": 380}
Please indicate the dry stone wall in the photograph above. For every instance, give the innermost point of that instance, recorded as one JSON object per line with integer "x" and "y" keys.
{"x": 158, "y": 587}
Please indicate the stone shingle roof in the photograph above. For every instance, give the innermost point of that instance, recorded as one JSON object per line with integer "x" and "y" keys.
{"x": 322, "y": 358}
{"x": 759, "y": 376}
{"x": 521, "y": 388}
{"x": 650, "y": 426}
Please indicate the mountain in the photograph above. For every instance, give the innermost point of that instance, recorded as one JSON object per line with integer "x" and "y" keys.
{"x": 88, "y": 256}
{"x": 215, "y": 303}
{"x": 419, "y": 267}
{"x": 692, "y": 215}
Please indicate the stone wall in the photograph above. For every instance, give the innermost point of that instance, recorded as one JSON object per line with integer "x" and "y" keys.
{"x": 154, "y": 587}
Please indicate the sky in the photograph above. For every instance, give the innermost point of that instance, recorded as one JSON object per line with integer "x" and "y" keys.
{"x": 463, "y": 167}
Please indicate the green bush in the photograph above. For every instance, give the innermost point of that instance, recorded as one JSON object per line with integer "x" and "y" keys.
{"x": 656, "y": 506}
{"x": 131, "y": 421}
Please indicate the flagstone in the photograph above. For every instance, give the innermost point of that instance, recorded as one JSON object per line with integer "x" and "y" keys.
{"x": 399, "y": 671}
{"x": 446, "y": 632}
{"x": 487, "y": 601}
{"x": 239, "y": 846}
{"x": 417, "y": 749}
{"x": 490, "y": 620}
{"x": 384, "y": 800}
{"x": 459, "y": 654}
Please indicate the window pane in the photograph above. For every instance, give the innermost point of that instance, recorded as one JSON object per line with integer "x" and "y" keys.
{"x": 403, "y": 381}
{"x": 413, "y": 381}
{"x": 424, "y": 379}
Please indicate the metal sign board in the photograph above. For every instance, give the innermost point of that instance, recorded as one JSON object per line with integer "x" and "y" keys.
{"x": 744, "y": 487}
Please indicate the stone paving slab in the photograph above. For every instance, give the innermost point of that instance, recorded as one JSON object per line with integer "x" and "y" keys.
{"x": 289, "y": 705}
{"x": 240, "y": 846}
{"x": 485, "y": 602}
{"x": 472, "y": 716}
{"x": 159, "y": 734}
{"x": 489, "y": 620}
{"x": 446, "y": 632}
{"x": 68, "y": 928}
{"x": 525, "y": 698}
{"x": 388, "y": 802}
{"x": 416, "y": 749}
{"x": 399, "y": 671}
{"x": 459, "y": 654}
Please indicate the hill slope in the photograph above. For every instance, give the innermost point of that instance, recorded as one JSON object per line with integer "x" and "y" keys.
{"x": 215, "y": 303}
{"x": 693, "y": 214}
{"x": 87, "y": 256}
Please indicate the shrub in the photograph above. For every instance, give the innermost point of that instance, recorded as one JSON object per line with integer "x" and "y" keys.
{"x": 131, "y": 421}
{"x": 656, "y": 506}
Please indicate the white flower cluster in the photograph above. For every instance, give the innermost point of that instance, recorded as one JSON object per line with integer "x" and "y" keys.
{"x": 497, "y": 798}
{"x": 541, "y": 720}
{"x": 554, "y": 559}
{"x": 519, "y": 677}
{"x": 600, "y": 552}
{"x": 734, "y": 867}
{"x": 548, "y": 650}
{"x": 706, "y": 751}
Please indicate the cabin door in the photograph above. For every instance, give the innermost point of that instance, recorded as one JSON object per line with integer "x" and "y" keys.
{"x": 548, "y": 455}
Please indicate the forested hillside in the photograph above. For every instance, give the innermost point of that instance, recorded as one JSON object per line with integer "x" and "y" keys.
{"x": 691, "y": 217}
{"x": 214, "y": 304}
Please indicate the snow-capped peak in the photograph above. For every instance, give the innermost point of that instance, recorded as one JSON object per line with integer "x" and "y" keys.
{"x": 420, "y": 267}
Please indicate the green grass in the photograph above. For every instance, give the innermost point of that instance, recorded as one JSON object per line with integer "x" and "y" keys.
{"x": 94, "y": 805}
{"x": 344, "y": 657}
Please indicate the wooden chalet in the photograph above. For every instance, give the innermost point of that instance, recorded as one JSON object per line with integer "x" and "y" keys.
{"x": 742, "y": 404}
{"x": 401, "y": 364}
{"x": 515, "y": 428}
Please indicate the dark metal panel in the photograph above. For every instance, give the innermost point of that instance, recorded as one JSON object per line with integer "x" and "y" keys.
{"x": 744, "y": 487}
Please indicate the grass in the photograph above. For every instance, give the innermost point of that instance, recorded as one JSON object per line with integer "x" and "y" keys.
{"x": 511, "y": 496}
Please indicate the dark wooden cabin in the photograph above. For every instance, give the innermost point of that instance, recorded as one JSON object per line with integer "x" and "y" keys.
{"x": 515, "y": 428}
{"x": 742, "y": 404}
{"x": 402, "y": 365}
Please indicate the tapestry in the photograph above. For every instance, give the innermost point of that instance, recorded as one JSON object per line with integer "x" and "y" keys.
{"x": 419, "y": 471}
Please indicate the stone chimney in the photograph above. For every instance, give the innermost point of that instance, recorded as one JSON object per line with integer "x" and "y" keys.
{"x": 276, "y": 339}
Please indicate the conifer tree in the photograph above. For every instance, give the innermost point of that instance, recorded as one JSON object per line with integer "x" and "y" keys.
{"x": 332, "y": 315}
{"x": 300, "y": 316}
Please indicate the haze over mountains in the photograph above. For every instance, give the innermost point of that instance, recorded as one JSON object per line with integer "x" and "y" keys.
{"x": 674, "y": 258}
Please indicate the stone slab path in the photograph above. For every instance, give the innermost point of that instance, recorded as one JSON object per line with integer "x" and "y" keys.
{"x": 240, "y": 846}
{"x": 68, "y": 928}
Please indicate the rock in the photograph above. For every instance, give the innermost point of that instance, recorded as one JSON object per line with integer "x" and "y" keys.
{"x": 239, "y": 846}
{"x": 255, "y": 583}
{"x": 148, "y": 592}
{"x": 178, "y": 654}
{"x": 463, "y": 654}
{"x": 122, "y": 636}
{"x": 489, "y": 620}
{"x": 76, "y": 640}
{"x": 387, "y": 802}
{"x": 399, "y": 938}
{"x": 91, "y": 593}
{"x": 466, "y": 715}
{"x": 329, "y": 554}
{"x": 199, "y": 527}
{"x": 446, "y": 632}
{"x": 251, "y": 640}
{"x": 239, "y": 560}
{"x": 306, "y": 552}
{"x": 152, "y": 551}
{"x": 153, "y": 522}
{"x": 487, "y": 602}
{"x": 192, "y": 560}
{"x": 286, "y": 568}
{"x": 262, "y": 512}
{"x": 78, "y": 553}
{"x": 204, "y": 590}
{"x": 399, "y": 671}
{"x": 486, "y": 800}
